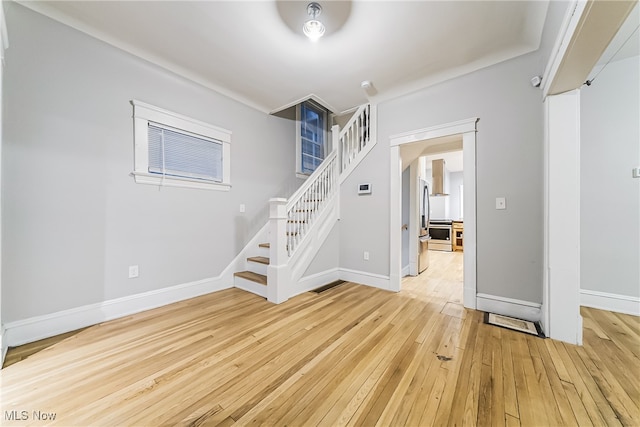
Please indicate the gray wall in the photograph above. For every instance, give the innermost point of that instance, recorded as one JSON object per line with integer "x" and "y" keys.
{"x": 329, "y": 254}
{"x": 73, "y": 218}
{"x": 509, "y": 164}
{"x": 609, "y": 196}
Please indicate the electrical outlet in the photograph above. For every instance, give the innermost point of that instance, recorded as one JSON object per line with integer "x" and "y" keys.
{"x": 501, "y": 203}
{"x": 366, "y": 256}
{"x": 133, "y": 271}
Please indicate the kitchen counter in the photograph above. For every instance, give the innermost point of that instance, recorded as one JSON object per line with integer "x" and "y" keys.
{"x": 457, "y": 229}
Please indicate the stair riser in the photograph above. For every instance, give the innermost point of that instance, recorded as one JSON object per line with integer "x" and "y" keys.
{"x": 257, "y": 267}
{"x": 250, "y": 286}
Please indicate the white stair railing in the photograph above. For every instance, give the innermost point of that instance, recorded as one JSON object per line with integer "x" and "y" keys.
{"x": 292, "y": 221}
{"x": 309, "y": 201}
{"x": 354, "y": 136}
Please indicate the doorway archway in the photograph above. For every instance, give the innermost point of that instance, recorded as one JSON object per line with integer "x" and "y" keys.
{"x": 467, "y": 129}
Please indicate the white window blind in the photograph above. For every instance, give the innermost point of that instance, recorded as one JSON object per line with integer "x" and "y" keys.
{"x": 173, "y": 152}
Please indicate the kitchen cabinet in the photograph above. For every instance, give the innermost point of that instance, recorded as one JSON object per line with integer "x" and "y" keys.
{"x": 458, "y": 235}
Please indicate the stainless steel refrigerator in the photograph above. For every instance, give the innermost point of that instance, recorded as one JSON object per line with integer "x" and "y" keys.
{"x": 424, "y": 237}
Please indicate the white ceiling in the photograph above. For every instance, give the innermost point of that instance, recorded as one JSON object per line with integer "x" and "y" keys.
{"x": 254, "y": 51}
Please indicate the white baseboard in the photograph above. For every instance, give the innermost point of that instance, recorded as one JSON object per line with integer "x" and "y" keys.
{"x": 509, "y": 307}
{"x": 48, "y": 325}
{"x": 314, "y": 281}
{"x": 365, "y": 278}
{"x": 610, "y": 302}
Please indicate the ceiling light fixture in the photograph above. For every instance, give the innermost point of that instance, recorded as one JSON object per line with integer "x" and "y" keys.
{"x": 313, "y": 28}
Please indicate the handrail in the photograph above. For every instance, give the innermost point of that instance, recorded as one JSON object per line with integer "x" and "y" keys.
{"x": 355, "y": 135}
{"x": 309, "y": 181}
{"x": 353, "y": 119}
{"x": 307, "y": 203}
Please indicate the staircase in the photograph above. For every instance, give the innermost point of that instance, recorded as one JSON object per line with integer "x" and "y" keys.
{"x": 254, "y": 279}
{"x": 299, "y": 225}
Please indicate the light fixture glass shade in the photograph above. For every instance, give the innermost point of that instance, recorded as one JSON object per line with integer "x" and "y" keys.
{"x": 313, "y": 29}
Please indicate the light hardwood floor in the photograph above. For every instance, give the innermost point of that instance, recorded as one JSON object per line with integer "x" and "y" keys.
{"x": 351, "y": 355}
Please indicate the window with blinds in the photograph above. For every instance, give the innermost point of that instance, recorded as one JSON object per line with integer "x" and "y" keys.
{"x": 174, "y": 152}
{"x": 177, "y": 151}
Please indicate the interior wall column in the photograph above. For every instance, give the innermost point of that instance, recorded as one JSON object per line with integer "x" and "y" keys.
{"x": 561, "y": 314}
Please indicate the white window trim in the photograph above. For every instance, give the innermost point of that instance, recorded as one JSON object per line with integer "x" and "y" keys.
{"x": 299, "y": 172}
{"x": 143, "y": 114}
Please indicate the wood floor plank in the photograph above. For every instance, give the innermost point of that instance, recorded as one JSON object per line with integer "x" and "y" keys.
{"x": 579, "y": 383}
{"x": 530, "y": 410}
{"x": 625, "y": 409}
{"x": 577, "y": 405}
{"x": 564, "y": 414}
{"x": 352, "y": 355}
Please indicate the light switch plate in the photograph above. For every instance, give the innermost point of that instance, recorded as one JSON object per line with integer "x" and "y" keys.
{"x": 243, "y": 208}
{"x": 636, "y": 172}
{"x": 501, "y": 203}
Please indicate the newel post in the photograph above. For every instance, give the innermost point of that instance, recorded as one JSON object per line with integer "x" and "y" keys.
{"x": 277, "y": 271}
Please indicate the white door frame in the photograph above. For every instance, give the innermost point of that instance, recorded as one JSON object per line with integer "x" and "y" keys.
{"x": 466, "y": 128}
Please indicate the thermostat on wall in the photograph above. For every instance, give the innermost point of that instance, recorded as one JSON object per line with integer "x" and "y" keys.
{"x": 364, "y": 188}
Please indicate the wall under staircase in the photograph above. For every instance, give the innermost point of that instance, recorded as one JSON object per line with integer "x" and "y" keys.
{"x": 298, "y": 226}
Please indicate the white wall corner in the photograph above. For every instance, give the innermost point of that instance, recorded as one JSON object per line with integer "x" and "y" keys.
{"x": 611, "y": 302}
{"x": 509, "y": 307}
{"x": 405, "y": 271}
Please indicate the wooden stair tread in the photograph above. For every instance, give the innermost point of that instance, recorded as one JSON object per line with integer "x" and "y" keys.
{"x": 254, "y": 277}
{"x": 264, "y": 245}
{"x": 259, "y": 259}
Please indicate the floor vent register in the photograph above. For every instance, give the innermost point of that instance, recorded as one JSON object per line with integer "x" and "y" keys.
{"x": 328, "y": 286}
{"x": 519, "y": 325}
